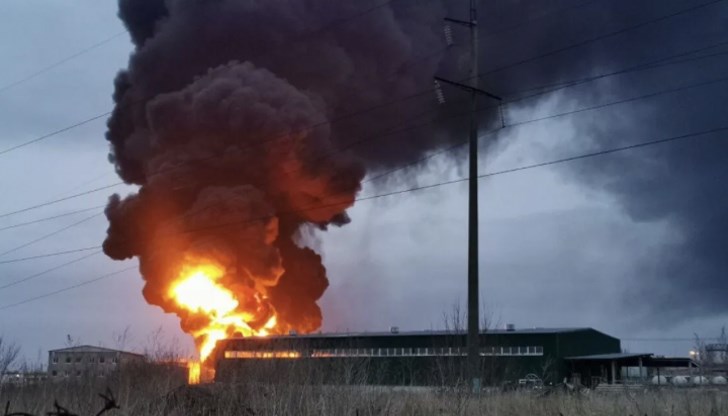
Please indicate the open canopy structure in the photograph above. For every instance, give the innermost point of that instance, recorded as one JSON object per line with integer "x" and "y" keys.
{"x": 607, "y": 367}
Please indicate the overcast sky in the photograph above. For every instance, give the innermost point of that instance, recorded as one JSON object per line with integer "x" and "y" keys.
{"x": 554, "y": 252}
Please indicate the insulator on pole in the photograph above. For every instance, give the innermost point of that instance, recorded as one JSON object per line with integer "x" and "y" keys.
{"x": 439, "y": 93}
{"x": 447, "y": 29}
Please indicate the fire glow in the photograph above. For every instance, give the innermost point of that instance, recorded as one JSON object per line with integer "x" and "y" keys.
{"x": 200, "y": 292}
{"x": 193, "y": 372}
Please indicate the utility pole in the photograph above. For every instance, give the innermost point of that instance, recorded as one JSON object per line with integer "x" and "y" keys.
{"x": 473, "y": 298}
{"x": 473, "y": 336}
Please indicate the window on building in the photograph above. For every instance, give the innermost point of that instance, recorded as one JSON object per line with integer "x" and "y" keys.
{"x": 65, "y": 373}
{"x": 55, "y": 373}
{"x": 54, "y": 359}
{"x": 78, "y": 359}
{"x": 539, "y": 350}
{"x": 78, "y": 373}
{"x": 68, "y": 359}
{"x": 102, "y": 359}
{"x": 91, "y": 360}
{"x": 115, "y": 360}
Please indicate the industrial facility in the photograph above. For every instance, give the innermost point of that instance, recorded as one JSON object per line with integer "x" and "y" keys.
{"x": 86, "y": 361}
{"x": 509, "y": 356}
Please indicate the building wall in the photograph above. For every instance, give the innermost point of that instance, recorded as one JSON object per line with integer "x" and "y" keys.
{"x": 71, "y": 365}
{"x": 409, "y": 359}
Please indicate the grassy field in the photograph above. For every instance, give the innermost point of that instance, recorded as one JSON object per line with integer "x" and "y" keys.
{"x": 157, "y": 397}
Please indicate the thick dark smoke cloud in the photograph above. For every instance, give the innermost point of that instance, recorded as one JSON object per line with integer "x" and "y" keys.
{"x": 210, "y": 81}
{"x": 222, "y": 119}
{"x": 681, "y": 184}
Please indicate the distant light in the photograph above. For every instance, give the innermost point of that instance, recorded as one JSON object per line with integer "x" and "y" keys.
{"x": 693, "y": 353}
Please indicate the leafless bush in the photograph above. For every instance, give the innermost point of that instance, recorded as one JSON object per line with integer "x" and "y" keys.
{"x": 8, "y": 354}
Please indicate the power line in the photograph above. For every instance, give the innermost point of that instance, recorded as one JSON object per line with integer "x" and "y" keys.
{"x": 639, "y": 67}
{"x": 610, "y": 151}
{"x": 39, "y": 220}
{"x": 54, "y": 254}
{"x": 49, "y": 235}
{"x": 52, "y": 269}
{"x": 517, "y": 25}
{"x": 572, "y": 84}
{"x": 601, "y": 37}
{"x": 658, "y": 63}
{"x": 514, "y": 169}
{"x": 59, "y": 63}
{"x": 485, "y": 175}
{"x": 54, "y": 133}
{"x": 416, "y": 94}
{"x": 82, "y": 185}
{"x": 330, "y": 25}
{"x": 559, "y": 10}
{"x": 425, "y": 187}
{"x": 346, "y": 116}
{"x": 66, "y": 289}
{"x": 451, "y": 148}
{"x": 624, "y": 101}
{"x": 520, "y": 123}
{"x": 563, "y": 114}
{"x": 55, "y": 201}
{"x": 430, "y": 156}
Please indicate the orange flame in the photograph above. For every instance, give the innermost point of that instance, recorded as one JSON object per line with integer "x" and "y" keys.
{"x": 217, "y": 311}
{"x": 193, "y": 372}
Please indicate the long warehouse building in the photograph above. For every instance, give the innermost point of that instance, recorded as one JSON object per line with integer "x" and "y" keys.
{"x": 549, "y": 355}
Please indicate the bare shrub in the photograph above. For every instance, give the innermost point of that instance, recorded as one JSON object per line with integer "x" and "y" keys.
{"x": 9, "y": 352}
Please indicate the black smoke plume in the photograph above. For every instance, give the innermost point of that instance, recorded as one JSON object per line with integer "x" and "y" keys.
{"x": 682, "y": 184}
{"x": 239, "y": 121}
{"x": 214, "y": 113}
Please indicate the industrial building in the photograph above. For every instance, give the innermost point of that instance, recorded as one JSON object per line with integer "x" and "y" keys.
{"x": 86, "y": 361}
{"x": 516, "y": 356}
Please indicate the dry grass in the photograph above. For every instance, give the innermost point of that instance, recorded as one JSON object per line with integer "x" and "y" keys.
{"x": 307, "y": 391}
{"x": 157, "y": 397}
